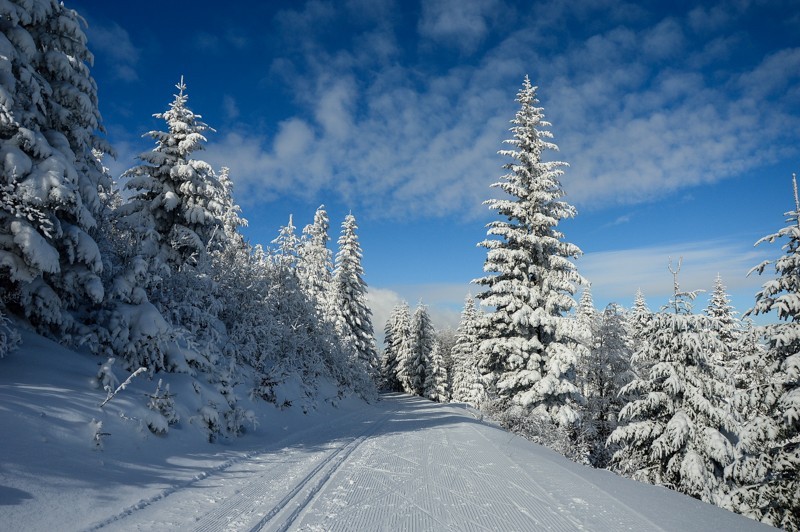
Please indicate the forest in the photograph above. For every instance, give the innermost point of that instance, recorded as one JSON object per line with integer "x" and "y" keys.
{"x": 149, "y": 271}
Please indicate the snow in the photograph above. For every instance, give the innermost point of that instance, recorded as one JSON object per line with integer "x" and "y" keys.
{"x": 403, "y": 463}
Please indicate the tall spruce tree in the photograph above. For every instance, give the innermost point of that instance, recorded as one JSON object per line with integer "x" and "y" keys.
{"x": 526, "y": 354}
{"x": 728, "y": 327}
{"x": 436, "y": 376}
{"x": 768, "y": 467}
{"x": 315, "y": 263}
{"x": 401, "y": 347}
{"x": 393, "y": 331}
{"x": 606, "y": 370}
{"x": 51, "y": 176}
{"x": 423, "y": 337}
{"x": 355, "y": 316}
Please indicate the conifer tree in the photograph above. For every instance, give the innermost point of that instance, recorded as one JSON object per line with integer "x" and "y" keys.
{"x": 526, "y": 354}
{"x": 728, "y": 325}
{"x": 51, "y": 181}
{"x": 639, "y": 320}
{"x": 401, "y": 347}
{"x": 423, "y": 338}
{"x": 392, "y": 342}
{"x": 606, "y": 371}
{"x": 355, "y": 317}
{"x": 675, "y": 431}
{"x": 176, "y": 203}
{"x": 436, "y": 376}
{"x": 315, "y": 262}
{"x": 467, "y": 386}
{"x": 768, "y": 467}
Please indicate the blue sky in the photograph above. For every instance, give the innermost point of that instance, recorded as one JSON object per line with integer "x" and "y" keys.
{"x": 679, "y": 123}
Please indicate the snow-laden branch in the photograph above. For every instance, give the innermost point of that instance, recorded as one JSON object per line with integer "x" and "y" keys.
{"x": 122, "y": 386}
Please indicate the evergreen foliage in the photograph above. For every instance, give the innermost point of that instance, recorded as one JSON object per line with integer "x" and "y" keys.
{"x": 466, "y": 383}
{"x": 675, "y": 430}
{"x": 50, "y": 189}
{"x": 768, "y": 469}
{"x": 423, "y": 338}
{"x": 526, "y": 353}
{"x": 350, "y": 292}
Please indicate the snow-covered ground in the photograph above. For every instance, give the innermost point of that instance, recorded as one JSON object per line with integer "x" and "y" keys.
{"x": 401, "y": 464}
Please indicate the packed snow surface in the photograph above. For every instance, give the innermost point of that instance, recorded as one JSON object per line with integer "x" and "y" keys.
{"x": 403, "y": 463}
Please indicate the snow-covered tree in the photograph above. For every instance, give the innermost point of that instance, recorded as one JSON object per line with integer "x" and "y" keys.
{"x": 436, "y": 376}
{"x": 423, "y": 337}
{"x": 605, "y": 371}
{"x": 175, "y": 201}
{"x": 728, "y": 325}
{"x": 675, "y": 430}
{"x": 526, "y": 354}
{"x": 638, "y": 320}
{"x": 350, "y": 293}
{"x": 399, "y": 349}
{"x": 286, "y": 247}
{"x": 51, "y": 177}
{"x": 466, "y": 382}
{"x": 315, "y": 262}
{"x": 767, "y": 471}
{"x": 231, "y": 213}
{"x": 392, "y": 342}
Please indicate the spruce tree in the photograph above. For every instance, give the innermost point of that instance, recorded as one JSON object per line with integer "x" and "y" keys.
{"x": 176, "y": 200}
{"x": 606, "y": 371}
{"x": 526, "y": 354}
{"x": 354, "y": 316}
{"x": 768, "y": 467}
{"x": 392, "y": 342}
{"x": 50, "y": 127}
{"x": 315, "y": 263}
{"x": 675, "y": 429}
{"x": 467, "y": 386}
{"x": 401, "y": 347}
{"x": 436, "y": 376}
{"x": 423, "y": 338}
{"x": 728, "y": 327}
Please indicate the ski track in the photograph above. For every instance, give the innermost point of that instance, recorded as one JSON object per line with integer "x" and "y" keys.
{"x": 410, "y": 465}
{"x": 239, "y": 481}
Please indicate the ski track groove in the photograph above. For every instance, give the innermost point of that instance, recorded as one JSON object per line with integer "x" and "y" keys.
{"x": 268, "y": 451}
{"x": 342, "y": 452}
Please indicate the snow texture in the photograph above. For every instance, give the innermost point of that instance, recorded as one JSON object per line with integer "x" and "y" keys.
{"x": 403, "y": 463}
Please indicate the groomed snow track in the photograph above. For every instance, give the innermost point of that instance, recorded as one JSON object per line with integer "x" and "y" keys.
{"x": 409, "y": 464}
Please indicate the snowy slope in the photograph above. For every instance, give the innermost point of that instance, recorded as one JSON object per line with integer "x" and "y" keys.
{"x": 402, "y": 464}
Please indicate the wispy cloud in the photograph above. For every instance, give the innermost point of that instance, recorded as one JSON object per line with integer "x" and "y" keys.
{"x": 633, "y": 113}
{"x": 616, "y": 275}
{"x": 458, "y": 24}
{"x": 114, "y": 42}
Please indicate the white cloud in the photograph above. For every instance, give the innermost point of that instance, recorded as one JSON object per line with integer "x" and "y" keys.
{"x": 392, "y": 139}
{"x": 462, "y": 25}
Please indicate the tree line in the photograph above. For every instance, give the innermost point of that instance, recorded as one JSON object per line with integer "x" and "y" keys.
{"x": 152, "y": 269}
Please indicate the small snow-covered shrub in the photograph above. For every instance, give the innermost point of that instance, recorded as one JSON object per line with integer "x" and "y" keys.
{"x": 208, "y": 417}
{"x": 163, "y": 412}
{"x": 96, "y": 428}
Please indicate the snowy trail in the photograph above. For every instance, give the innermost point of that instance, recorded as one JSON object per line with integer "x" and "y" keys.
{"x": 409, "y": 464}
